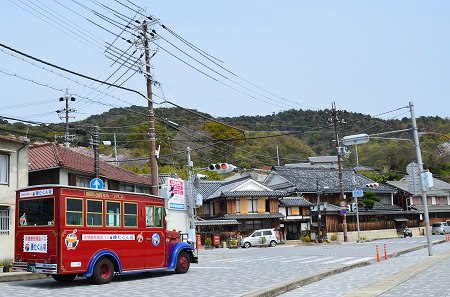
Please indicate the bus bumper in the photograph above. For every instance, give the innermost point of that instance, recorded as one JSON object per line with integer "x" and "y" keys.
{"x": 45, "y": 268}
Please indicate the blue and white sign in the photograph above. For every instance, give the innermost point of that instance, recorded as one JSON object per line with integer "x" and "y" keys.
{"x": 96, "y": 183}
{"x": 177, "y": 201}
{"x": 43, "y": 192}
{"x": 357, "y": 193}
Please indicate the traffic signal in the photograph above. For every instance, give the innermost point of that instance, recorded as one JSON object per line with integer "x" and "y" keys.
{"x": 221, "y": 167}
{"x": 351, "y": 207}
{"x": 372, "y": 185}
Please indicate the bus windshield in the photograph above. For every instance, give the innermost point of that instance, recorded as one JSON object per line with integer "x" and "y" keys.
{"x": 36, "y": 212}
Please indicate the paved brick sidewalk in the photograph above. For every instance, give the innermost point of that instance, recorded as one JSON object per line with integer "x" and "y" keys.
{"x": 350, "y": 281}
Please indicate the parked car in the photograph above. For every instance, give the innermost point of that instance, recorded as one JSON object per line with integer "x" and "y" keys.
{"x": 440, "y": 228}
{"x": 271, "y": 238}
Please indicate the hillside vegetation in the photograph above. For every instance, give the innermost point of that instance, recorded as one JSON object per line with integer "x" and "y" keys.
{"x": 255, "y": 140}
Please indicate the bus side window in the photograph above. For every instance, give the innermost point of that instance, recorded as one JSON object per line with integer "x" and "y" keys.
{"x": 74, "y": 212}
{"x": 130, "y": 214}
{"x": 113, "y": 213}
{"x": 149, "y": 216}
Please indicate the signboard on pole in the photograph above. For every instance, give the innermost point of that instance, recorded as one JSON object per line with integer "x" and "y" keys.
{"x": 96, "y": 183}
{"x": 357, "y": 193}
{"x": 177, "y": 201}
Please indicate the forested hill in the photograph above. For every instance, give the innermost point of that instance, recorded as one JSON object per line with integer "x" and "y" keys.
{"x": 297, "y": 134}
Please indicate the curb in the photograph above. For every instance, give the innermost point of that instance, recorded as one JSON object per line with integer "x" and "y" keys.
{"x": 292, "y": 285}
{"x": 20, "y": 276}
{"x": 297, "y": 283}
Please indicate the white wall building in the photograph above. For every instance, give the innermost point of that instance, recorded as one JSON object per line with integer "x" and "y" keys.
{"x": 13, "y": 175}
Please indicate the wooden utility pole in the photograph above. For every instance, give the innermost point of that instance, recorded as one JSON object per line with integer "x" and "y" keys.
{"x": 151, "y": 116}
{"x": 339, "y": 154}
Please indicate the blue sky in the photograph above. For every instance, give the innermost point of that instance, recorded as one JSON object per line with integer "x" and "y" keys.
{"x": 369, "y": 57}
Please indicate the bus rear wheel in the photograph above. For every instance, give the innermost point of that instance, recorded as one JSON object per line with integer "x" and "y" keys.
{"x": 183, "y": 263}
{"x": 64, "y": 278}
{"x": 103, "y": 271}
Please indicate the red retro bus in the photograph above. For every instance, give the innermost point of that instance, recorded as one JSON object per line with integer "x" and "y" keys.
{"x": 68, "y": 231}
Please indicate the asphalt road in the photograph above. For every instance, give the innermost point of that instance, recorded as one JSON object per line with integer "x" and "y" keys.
{"x": 227, "y": 272}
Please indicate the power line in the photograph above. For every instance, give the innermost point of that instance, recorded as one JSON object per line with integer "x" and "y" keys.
{"x": 70, "y": 71}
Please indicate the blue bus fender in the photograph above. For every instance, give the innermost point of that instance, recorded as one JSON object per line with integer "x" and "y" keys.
{"x": 97, "y": 256}
{"x": 181, "y": 246}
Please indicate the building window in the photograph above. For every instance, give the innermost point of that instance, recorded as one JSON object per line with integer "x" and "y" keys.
{"x": 206, "y": 209}
{"x": 4, "y": 221}
{"x": 94, "y": 213}
{"x": 133, "y": 189}
{"x": 238, "y": 206}
{"x": 83, "y": 181}
{"x": 253, "y": 205}
{"x": 130, "y": 214}
{"x": 74, "y": 212}
{"x": 4, "y": 169}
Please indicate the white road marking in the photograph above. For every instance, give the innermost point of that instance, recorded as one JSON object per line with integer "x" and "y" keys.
{"x": 338, "y": 260}
{"x": 358, "y": 260}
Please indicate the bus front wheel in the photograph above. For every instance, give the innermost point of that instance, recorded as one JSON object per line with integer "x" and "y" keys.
{"x": 183, "y": 263}
{"x": 103, "y": 271}
{"x": 64, "y": 278}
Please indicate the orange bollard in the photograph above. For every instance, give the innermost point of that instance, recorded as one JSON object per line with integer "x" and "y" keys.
{"x": 378, "y": 254}
{"x": 199, "y": 241}
{"x": 385, "y": 251}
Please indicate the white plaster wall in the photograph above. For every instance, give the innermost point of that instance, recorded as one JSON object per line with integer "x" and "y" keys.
{"x": 18, "y": 178}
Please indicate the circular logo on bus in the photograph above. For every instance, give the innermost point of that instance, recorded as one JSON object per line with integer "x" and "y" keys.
{"x": 156, "y": 239}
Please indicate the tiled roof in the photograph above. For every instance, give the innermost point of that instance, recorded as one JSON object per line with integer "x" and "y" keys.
{"x": 254, "y": 194}
{"x": 216, "y": 189}
{"x": 432, "y": 208}
{"x": 50, "y": 155}
{"x": 389, "y": 207}
{"x": 216, "y": 222}
{"x": 439, "y": 188}
{"x": 305, "y": 179}
{"x": 250, "y": 216}
{"x": 289, "y": 202}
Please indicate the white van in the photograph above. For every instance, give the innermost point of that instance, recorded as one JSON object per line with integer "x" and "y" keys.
{"x": 256, "y": 238}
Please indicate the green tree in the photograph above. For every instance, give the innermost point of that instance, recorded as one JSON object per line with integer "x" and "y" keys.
{"x": 369, "y": 200}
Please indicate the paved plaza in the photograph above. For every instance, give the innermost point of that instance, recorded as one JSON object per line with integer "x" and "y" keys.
{"x": 257, "y": 271}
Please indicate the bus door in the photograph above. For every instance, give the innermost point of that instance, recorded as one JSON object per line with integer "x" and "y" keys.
{"x": 154, "y": 237}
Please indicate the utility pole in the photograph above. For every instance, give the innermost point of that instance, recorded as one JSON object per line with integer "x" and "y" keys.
{"x": 339, "y": 155}
{"x": 66, "y": 110}
{"x": 115, "y": 147}
{"x": 151, "y": 114}
{"x": 421, "y": 171}
{"x": 278, "y": 157}
{"x": 319, "y": 215}
{"x": 96, "y": 144}
{"x": 190, "y": 168}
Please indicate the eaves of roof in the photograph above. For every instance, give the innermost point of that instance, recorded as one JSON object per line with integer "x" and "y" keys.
{"x": 50, "y": 156}
{"x": 249, "y": 216}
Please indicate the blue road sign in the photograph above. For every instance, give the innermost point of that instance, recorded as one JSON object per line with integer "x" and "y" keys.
{"x": 343, "y": 211}
{"x": 357, "y": 193}
{"x": 96, "y": 183}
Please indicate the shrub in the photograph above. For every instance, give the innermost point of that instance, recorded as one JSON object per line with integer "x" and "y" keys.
{"x": 333, "y": 237}
{"x": 208, "y": 241}
{"x": 306, "y": 238}
{"x": 262, "y": 240}
{"x": 233, "y": 242}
